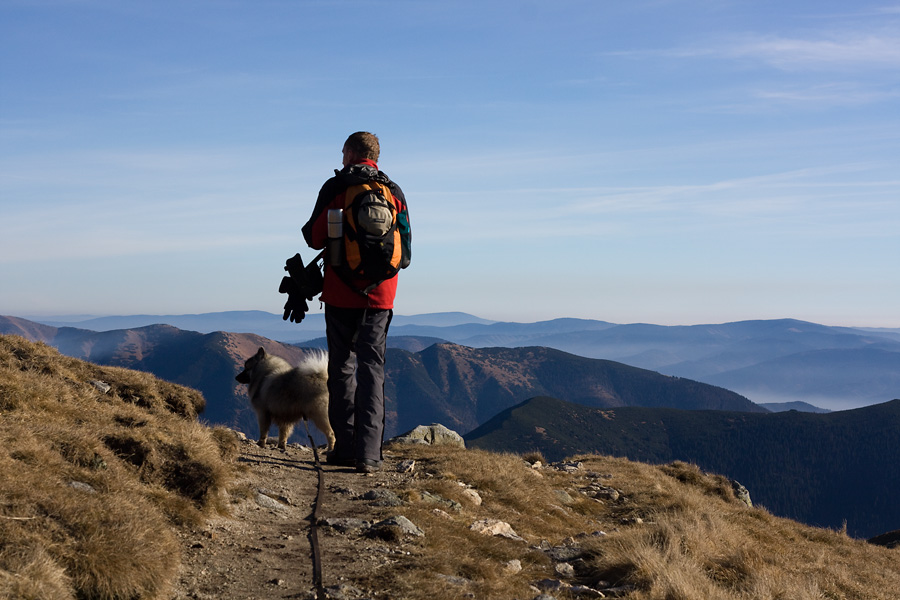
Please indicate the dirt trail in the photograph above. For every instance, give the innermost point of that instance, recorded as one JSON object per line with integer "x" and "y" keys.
{"x": 262, "y": 549}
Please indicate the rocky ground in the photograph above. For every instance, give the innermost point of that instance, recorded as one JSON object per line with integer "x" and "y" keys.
{"x": 262, "y": 549}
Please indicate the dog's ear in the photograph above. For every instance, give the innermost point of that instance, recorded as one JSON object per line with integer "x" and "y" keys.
{"x": 261, "y": 353}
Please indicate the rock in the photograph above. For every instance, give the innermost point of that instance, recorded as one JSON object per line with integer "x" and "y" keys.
{"x": 84, "y": 487}
{"x": 434, "y": 435}
{"x": 101, "y": 386}
{"x": 496, "y": 527}
{"x": 563, "y": 496}
{"x": 579, "y": 591}
{"x": 473, "y": 496}
{"x": 382, "y": 497}
{"x": 564, "y": 569}
{"x": 741, "y": 493}
{"x": 435, "y": 499}
{"x": 602, "y": 492}
{"x": 346, "y": 524}
{"x": 563, "y": 553}
{"x": 344, "y": 592}
{"x": 620, "y": 590}
{"x": 275, "y": 495}
{"x": 582, "y": 591}
{"x": 568, "y": 467}
{"x": 395, "y": 528}
{"x": 551, "y": 585}
{"x": 512, "y": 567}
{"x": 406, "y": 466}
{"x": 269, "y": 502}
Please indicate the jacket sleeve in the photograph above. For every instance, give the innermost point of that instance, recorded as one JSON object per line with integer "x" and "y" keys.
{"x": 403, "y": 226}
{"x": 315, "y": 230}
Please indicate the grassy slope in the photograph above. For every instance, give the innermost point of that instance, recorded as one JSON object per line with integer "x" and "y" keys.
{"x": 818, "y": 468}
{"x": 673, "y": 533}
{"x": 92, "y": 484}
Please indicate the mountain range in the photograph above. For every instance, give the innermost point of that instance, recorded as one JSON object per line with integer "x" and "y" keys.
{"x": 822, "y": 469}
{"x": 458, "y": 386}
{"x": 768, "y": 361}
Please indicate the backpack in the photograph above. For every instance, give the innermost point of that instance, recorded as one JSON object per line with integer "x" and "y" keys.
{"x": 375, "y": 234}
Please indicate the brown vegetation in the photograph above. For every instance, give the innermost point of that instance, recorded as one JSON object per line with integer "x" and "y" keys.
{"x": 674, "y": 533}
{"x": 92, "y": 481}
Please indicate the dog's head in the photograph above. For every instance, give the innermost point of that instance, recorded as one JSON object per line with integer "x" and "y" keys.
{"x": 247, "y": 374}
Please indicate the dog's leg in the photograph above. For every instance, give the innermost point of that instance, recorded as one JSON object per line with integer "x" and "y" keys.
{"x": 320, "y": 418}
{"x": 265, "y": 421}
{"x": 284, "y": 432}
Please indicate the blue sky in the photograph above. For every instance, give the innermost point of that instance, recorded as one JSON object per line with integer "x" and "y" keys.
{"x": 672, "y": 162}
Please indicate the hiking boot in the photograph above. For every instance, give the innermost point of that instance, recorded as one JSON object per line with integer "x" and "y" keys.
{"x": 367, "y": 465}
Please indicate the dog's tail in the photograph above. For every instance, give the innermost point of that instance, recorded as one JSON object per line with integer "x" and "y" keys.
{"x": 315, "y": 363}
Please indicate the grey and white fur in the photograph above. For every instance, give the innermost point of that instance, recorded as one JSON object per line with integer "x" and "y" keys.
{"x": 285, "y": 394}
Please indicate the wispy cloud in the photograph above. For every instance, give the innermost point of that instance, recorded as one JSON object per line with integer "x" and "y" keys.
{"x": 836, "y": 51}
{"x": 876, "y": 47}
{"x": 828, "y": 94}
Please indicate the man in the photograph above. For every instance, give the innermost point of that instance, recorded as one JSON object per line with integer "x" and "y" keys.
{"x": 358, "y": 312}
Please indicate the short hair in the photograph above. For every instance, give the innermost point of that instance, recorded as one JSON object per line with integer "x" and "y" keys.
{"x": 363, "y": 145}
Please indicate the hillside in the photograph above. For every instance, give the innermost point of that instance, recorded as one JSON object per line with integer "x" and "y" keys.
{"x": 105, "y": 476}
{"x": 206, "y": 362}
{"x": 445, "y": 383}
{"x": 821, "y": 469}
{"x": 464, "y": 387}
{"x": 99, "y": 466}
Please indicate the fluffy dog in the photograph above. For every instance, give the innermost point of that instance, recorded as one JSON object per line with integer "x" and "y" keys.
{"x": 284, "y": 394}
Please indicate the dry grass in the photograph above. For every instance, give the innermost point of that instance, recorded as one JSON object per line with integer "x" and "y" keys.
{"x": 534, "y": 503}
{"x": 674, "y": 534}
{"x": 91, "y": 483}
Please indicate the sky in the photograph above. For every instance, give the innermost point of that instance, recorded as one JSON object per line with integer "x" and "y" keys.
{"x": 671, "y": 162}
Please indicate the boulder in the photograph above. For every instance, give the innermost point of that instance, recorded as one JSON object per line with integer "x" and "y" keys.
{"x": 497, "y": 528}
{"x": 433, "y": 435}
{"x": 741, "y": 493}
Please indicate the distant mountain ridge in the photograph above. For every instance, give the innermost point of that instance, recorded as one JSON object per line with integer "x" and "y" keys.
{"x": 447, "y": 383}
{"x": 762, "y": 360}
{"x": 816, "y": 468}
{"x": 262, "y": 323}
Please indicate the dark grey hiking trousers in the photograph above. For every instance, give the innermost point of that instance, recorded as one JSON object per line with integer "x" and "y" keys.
{"x": 356, "y": 345}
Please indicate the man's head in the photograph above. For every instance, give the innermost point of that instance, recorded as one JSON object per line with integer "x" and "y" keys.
{"x": 361, "y": 145}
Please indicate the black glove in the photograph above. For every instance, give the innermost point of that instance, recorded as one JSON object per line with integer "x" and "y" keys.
{"x": 301, "y": 284}
{"x": 308, "y": 280}
{"x": 295, "y": 309}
